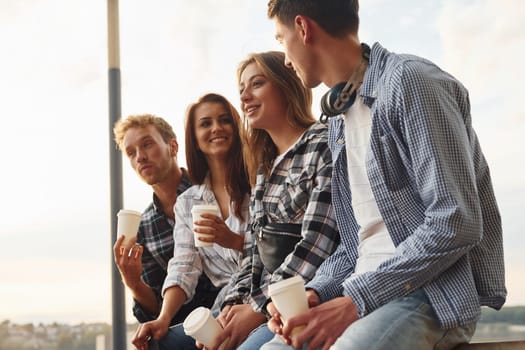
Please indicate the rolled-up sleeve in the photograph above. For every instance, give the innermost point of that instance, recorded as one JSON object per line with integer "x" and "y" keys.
{"x": 185, "y": 267}
{"x": 427, "y": 167}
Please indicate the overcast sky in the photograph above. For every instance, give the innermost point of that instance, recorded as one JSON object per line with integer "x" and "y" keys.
{"x": 54, "y": 185}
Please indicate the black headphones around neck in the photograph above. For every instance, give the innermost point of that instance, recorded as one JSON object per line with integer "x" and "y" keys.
{"x": 339, "y": 98}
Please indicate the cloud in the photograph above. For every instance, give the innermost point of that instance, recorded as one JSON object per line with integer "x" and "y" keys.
{"x": 483, "y": 45}
{"x": 12, "y": 10}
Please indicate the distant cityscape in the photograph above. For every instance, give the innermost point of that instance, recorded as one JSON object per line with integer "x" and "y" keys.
{"x": 507, "y": 324}
{"x": 55, "y": 336}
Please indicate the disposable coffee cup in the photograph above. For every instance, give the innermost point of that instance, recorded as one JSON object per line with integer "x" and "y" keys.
{"x": 196, "y": 212}
{"x": 128, "y": 225}
{"x": 202, "y": 326}
{"x": 289, "y": 297}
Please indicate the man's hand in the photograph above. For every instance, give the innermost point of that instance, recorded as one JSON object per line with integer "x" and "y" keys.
{"x": 237, "y": 321}
{"x": 275, "y": 324}
{"x": 129, "y": 262}
{"x": 323, "y": 324}
{"x": 223, "y": 315}
{"x": 219, "y": 232}
{"x": 153, "y": 329}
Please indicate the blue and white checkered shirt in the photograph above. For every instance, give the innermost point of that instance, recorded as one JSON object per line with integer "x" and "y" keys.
{"x": 433, "y": 189}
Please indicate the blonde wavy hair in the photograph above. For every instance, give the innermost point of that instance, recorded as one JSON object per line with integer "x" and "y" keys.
{"x": 260, "y": 151}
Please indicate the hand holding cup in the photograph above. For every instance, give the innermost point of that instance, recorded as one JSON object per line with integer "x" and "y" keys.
{"x": 196, "y": 212}
{"x": 289, "y": 298}
{"x": 128, "y": 225}
{"x": 203, "y": 327}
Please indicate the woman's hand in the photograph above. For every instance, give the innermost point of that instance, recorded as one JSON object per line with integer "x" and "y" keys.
{"x": 218, "y": 232}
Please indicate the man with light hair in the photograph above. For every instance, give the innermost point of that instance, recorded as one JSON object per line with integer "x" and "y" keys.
{"x": 151, "y": 148}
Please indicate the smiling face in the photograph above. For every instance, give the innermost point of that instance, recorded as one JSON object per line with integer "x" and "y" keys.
{"x": 262, "y": 102}
{"x": 149, "y": 155}
{"x": 213, "y": 128}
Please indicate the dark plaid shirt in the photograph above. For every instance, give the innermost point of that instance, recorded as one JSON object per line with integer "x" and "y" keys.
{"x": 156, "y": 236}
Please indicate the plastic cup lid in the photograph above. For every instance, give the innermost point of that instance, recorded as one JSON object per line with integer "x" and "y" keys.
{"x": 197, "y": 207}
{"x": 281, "y": 285}
{"x": 196, "y": 319}
{"x": 127, "y": 211}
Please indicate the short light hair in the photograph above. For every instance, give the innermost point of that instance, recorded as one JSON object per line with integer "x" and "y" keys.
{"x": 336, "y": 17}
{"x": 141, "y": 121}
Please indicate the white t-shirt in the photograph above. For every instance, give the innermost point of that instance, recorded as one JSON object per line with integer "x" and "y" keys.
{"x": 375, "y": 243}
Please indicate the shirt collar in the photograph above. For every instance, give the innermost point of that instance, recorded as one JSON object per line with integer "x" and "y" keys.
{"x": 312, "y": 131}
{"x": 184, "y": 184}
{"x": 376, "y": 65}
{"x": 204, "y": 191}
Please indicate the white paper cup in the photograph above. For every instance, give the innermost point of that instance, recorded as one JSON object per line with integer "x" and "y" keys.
{"x": 289, "y": 297}
{"x": 202, "y": 326}
{"x": 196, "y": 212}
{"x": 128, "y": 225}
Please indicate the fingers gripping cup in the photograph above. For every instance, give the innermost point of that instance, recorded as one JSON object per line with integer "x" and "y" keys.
{"x": 203, "y": 327}
{"x": 289, "y": 297}
{"x": 196, "y": 212}
{"x": 128, "y": 225}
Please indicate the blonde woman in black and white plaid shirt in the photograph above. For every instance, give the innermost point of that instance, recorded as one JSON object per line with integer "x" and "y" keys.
{"x": 290, "y": 166}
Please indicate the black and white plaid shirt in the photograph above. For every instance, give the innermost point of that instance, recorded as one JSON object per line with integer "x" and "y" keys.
{"x": 297, "y": 191}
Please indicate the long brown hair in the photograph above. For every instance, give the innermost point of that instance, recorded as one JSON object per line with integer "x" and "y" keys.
{"x": 260, "y": 151}
{"x": 237, "y": 183}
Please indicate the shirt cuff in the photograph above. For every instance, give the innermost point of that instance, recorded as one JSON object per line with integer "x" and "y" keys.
{"x": 141, "y": 315}
{"x": 326, "y": 287}
{"x": 235, "y": 301}
{"x": 362, "y": 296}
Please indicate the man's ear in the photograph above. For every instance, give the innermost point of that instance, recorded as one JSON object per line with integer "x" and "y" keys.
{"x": 304, "y": 27}
{"x": 174, "y": 147}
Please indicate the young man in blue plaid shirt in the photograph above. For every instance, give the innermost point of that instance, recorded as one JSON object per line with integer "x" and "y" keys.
{"x": 421, "y": 241}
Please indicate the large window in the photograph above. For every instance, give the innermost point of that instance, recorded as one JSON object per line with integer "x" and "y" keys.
{"x": 54, "y": 180}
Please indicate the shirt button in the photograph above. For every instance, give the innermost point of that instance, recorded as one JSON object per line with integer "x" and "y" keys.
{"x": 408, "y": 286}
{"x": 340, "y": 141}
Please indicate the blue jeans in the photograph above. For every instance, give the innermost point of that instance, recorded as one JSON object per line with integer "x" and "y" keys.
{"x": 405, "y": 323}
{"x": 259, "y": 336}
{"x": 175, "y": 339}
